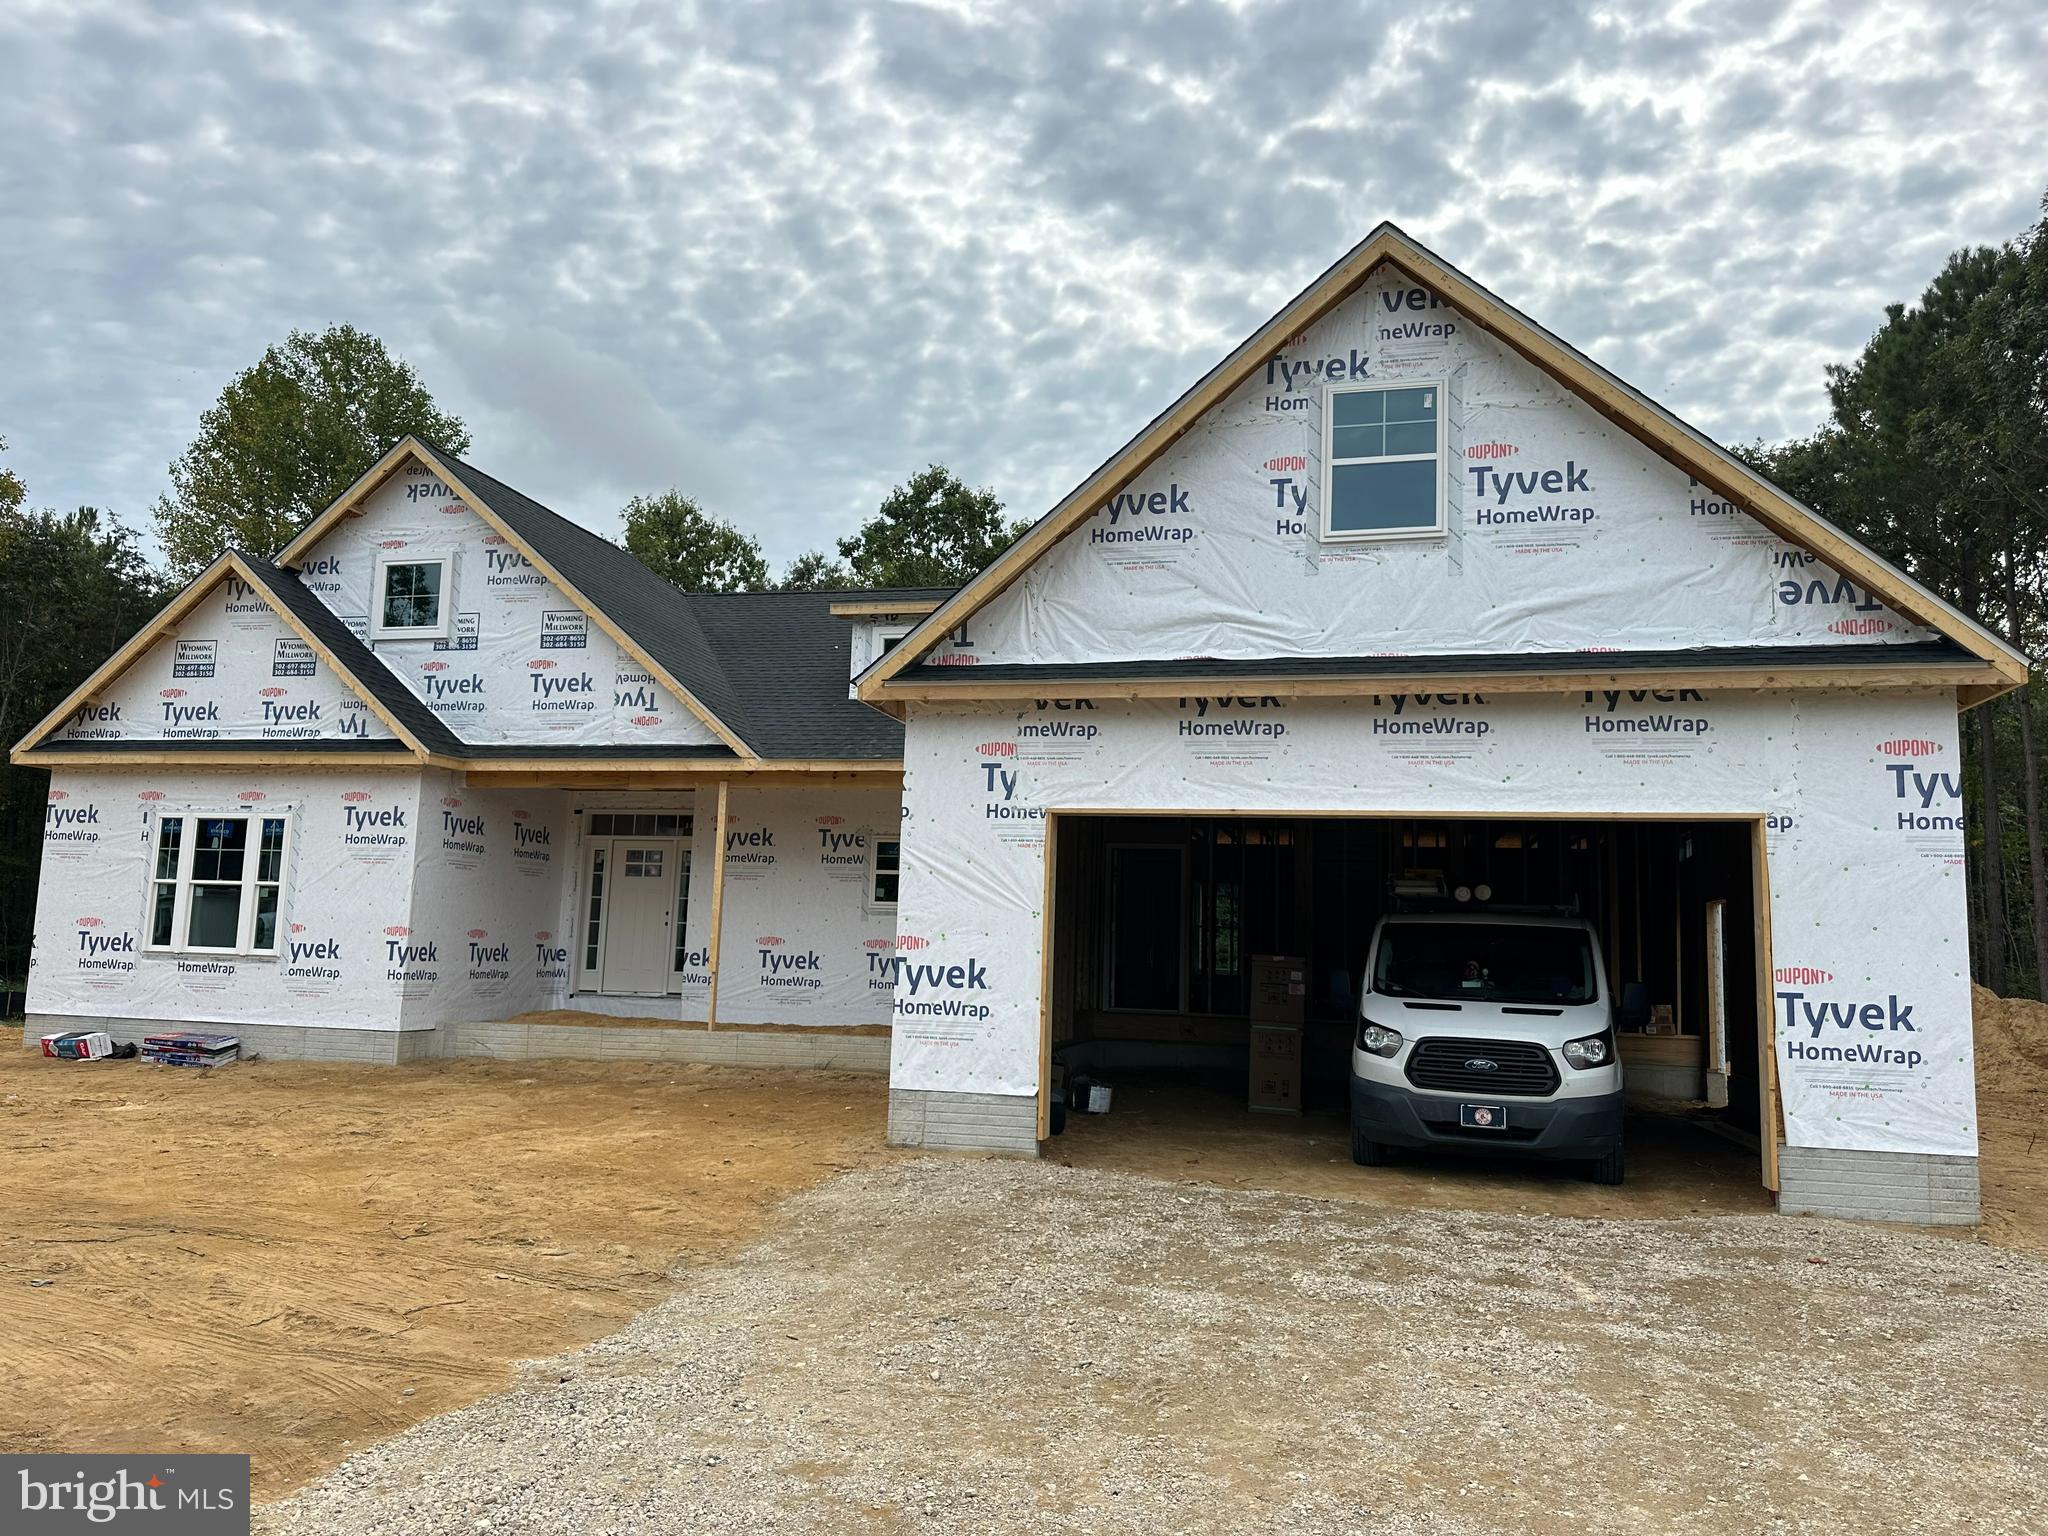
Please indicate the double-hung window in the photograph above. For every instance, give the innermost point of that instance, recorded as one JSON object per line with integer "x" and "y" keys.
{"x": 411, "y": 598}
{"x": 217, "y": 883}
{"x": 1385, "y": 459}
{"x": 885, "y": 861}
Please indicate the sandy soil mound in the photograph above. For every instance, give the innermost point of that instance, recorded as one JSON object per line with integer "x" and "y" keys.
{"x": 2012, "y": 1041}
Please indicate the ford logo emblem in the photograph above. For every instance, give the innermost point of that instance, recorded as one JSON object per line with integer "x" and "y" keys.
{"x": 1481, "y": 1064}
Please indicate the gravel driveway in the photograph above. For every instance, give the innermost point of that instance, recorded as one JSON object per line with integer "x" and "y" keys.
{"x": 1005, "y": 1347}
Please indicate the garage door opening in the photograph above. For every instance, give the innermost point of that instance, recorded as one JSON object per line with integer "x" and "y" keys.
{"x": 1206, "y": 971}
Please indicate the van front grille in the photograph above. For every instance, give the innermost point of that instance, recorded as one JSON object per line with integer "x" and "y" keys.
{"x": 1517, "y": 1068}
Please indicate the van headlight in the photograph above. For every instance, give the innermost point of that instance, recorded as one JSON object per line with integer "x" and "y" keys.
{"x": 1593, "y": 1051}
{"x": 1379, "y": 1039}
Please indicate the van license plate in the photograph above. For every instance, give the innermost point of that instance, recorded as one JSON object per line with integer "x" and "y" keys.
{"x": 1483, "y": 1117}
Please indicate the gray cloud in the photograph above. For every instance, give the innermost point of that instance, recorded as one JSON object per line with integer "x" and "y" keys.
{"x": 783, "y": 255}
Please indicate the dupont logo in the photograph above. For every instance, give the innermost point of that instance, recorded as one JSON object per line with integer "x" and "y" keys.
{"x": 831, "y": 821}
{"x": 1859, "y": 626}
{"x": 60, "y": 794}
{"x": 1292, "y": 463}
{"x": 647, "y": 720}
{"x": 354, "y": 796}
{"x": 398, "y": 931}
{"x": 768, "y": 940}
{"x": 952, "y": 659}
{"x": 433, "y": 666}
{"x": 89, "y": 922}
{"x": 494, "y": 539}
{"x": 522, "y": 815}
{"x": 997, "y": 749}
{"x": 1801, "y": 975}
{"x": 543, "y": 936}
{"x": 150, "y": 794}
{"x": 1908, "y": 746}
{"x": 170, "y": 693}
{"x": 391, "y": 544}
{"x": 451, "y": 802}
{"x": 881, "y": 944}
{"x": 270, "y": 693}
{"x": 479, "y": 933}
{"x": 541, "y": 665}
{"x": 298, "y": 927}
{"x": 1491, "y": 451}
{"x": 912, "y": 941}
{"x": 251, "y": 796}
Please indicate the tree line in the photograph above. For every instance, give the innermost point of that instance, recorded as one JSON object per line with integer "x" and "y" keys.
{"x": 1934, "y": 453}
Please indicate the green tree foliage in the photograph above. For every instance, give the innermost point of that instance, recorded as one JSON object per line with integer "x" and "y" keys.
{"x": 1935, "y": 453}
{"x": 932, "y": 531}
{"x": 815, "y": 571}
{"x": 73, "y": 587}
{"x": 286, "y": 438}
{"x": 682, "y": 543}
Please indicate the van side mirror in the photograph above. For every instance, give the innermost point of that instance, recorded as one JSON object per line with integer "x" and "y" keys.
{"x": 1635, "y": 1005}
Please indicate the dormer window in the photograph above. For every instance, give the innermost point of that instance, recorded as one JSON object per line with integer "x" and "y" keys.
{"x": 1383, "y": 447}
{"x": 411, "y": 598}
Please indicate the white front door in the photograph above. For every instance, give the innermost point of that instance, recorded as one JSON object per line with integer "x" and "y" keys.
{"x": 639, "y": 906}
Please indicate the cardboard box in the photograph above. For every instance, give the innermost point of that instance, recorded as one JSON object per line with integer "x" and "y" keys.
{"x": 1276, "y": 1069}
{"x": 1279, "y": 989}
{"x": 1662, "y": 1021}
{"x": 79, "y": 1045}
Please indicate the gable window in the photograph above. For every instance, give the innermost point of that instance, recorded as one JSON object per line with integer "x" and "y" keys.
{"x": 411, "y": 599}
{"x": 885, "y": 859}
{"x": 1384, "y": 452}
{"x": 217, "y": 883}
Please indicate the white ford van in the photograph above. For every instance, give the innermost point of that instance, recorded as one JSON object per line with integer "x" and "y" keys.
{"x": 1487, "y": 1032}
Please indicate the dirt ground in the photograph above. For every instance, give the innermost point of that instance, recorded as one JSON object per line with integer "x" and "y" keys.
{"x": 292, "y": 1259}
{"x": 1003, "y": 1346}
{"x": 296, "y": 1260}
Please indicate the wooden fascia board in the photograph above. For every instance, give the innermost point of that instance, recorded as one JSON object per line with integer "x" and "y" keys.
{"x": 1869, "y": 676}
{"x": 595, "y": 614}
{"x": 366, "y": 485}
{"x": 1684, "y": 448}
{"x": 881, "y": 610}
{"x": 342, "y": 674}
{"x": 644, "y": 776}
{"x": 165, "y": 623}
{"x": 172, "y": 758}
{"x": 1656, "y": 429}
{"x": 1138, "y": 455}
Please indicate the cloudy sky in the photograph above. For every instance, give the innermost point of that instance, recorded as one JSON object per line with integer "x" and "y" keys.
{"x": 783, "y": 255}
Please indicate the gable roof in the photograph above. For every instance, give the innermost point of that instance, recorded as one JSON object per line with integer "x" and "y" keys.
{"x": 414, "y": 725}
{"x": 1635, "y": 413}
{"x": 638, "y": 609}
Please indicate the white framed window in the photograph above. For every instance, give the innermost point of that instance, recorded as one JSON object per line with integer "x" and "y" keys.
{"x": 411, "y": 599}
{"x": 1384, "y": 460}
{"x": 885, "y": 862}
{"x": 217, "y": 882}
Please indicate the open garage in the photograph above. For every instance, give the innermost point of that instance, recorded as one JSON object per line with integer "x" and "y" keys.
{"x": 1206, "y": 971}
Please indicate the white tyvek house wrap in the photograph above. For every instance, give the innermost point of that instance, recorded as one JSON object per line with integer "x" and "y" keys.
{"x": 485, "y": 940}
{"x": 1565, "y": 534}
{"x": 797, "y": 873}
{"x": 348, "y": 885}
{"x": 233, "y": 671}
{"x": 523, "y": 663}
{"x": 804, "y": 942}
{"x": 1865, "y": 856}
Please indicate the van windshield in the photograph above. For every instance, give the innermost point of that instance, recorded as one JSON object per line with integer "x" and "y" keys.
{"x": 1486, "y": 962}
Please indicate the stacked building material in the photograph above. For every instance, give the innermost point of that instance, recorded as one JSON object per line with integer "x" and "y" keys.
{"x": 188, "y": 1048}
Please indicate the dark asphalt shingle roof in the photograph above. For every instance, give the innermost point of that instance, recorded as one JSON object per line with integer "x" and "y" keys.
{"x": 632, "y": 596}
{"x": 286, "y": 590}
{"x": 774, "y": 667}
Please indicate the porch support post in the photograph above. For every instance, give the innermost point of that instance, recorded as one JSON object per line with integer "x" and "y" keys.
{"x": 717, "y": 903}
